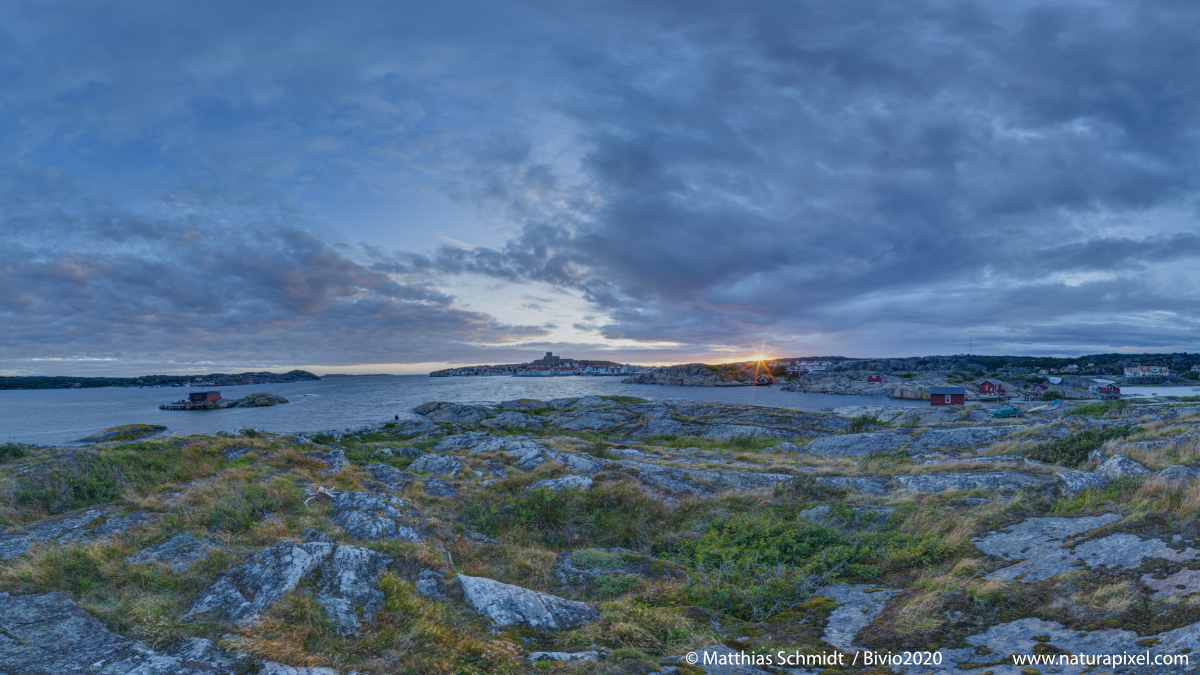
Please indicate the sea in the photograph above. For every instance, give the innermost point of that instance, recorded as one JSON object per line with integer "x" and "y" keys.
{"x": 64, "y": 416}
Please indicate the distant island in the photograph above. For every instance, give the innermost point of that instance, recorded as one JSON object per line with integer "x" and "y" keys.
{"x": 210, "y": 380}
{"x": 547, "y": 366}
{"x": 329, "y": 375}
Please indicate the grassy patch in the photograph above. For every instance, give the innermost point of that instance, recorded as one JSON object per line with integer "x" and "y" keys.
{"x": 1099, "y": 409}
{"x": 103, "y": 476}
{"x": 609, "y": 514}
{"x": 1072, "y": 450}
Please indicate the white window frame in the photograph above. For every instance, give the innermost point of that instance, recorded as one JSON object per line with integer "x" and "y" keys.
{"x": 947, "y": 398}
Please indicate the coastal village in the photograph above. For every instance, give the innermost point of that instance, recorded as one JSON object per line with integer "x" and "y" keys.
{"x": 941, "y": 380}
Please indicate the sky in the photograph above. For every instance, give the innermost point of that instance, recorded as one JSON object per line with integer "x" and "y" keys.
{"x": 391, "y": 187}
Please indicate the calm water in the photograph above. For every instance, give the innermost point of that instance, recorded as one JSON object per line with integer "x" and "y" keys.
{"x": 59, "y": 416}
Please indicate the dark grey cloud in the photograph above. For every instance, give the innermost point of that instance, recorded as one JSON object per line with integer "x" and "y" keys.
{"x": 889, "y": 175}
{"x": 857, "y": 177}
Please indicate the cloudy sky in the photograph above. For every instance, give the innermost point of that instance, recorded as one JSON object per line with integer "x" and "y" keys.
{"x": 390, "y": 187}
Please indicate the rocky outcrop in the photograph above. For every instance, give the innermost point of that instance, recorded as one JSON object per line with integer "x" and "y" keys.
{"x": 436, "y": 465}
{"x": 857, "y": 607}
{"x": 375, "y": 517}
{"x": 47, "y": 634}
{"x": 127, "y": 432}
{"x": 453, "y": 413}
{"x": 871, "y": 485}
{"x": 515, "y": 419}
{"x": 391, "y": 477}
{"x": 564, "y": 483}
{"x": 259, "y": 401}
{"x": 857, "y": 445}
{"x": 509, "y": 605}
{"x": 677, "y": 481}
{"x": 1037, "y": 543}
{"x": 961, "y": 437}
{"x": 993, "y": 480}
{"x": 345, "y": 587}
{"x": 178, "y": 552}
{"x": 80, "y": 527}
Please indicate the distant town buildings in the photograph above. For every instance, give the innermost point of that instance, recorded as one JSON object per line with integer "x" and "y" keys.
{"x": 1146, "y": 371}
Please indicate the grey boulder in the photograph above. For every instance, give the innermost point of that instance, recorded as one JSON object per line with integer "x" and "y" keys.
{"x": 429, "y": 582}
{"x": 1178, "y": 472}
{"x": 437, "y": 465}
{"x": 391, "y": 477}
{"x": 509, "y": 605}
{"x": 1120, "y": 466}
{"x": 436, "y": 487}
{"x": 1071, "y": 483}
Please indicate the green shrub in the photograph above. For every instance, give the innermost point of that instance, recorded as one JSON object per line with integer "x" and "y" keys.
{"x": 11, "y": 451}
{"x": 740, "y": 443}
{"x": 1191, "y": 375}
{"x": 1073, "y": 449}
{"x": 613, "y": 585}
{"x": 1052, "y": 395}
{"x": 756, "y": 565}
{"x": 865, "y": 422}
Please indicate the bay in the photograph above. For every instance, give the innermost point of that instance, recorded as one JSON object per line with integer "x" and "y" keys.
{"x": 63, "y": 416}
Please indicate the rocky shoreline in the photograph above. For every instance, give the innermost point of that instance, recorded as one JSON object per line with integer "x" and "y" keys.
{"x": 607, "y": 535}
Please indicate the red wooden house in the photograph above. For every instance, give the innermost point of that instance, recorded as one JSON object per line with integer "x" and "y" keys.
{"x": 993, "y": 388}
{"x": 764, "y": 378}
{"x": 1109, "y": 390}
{"x": 947, "y": 396}
{"x": 204, "y": 396}
{"x": 874, "y": 377}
